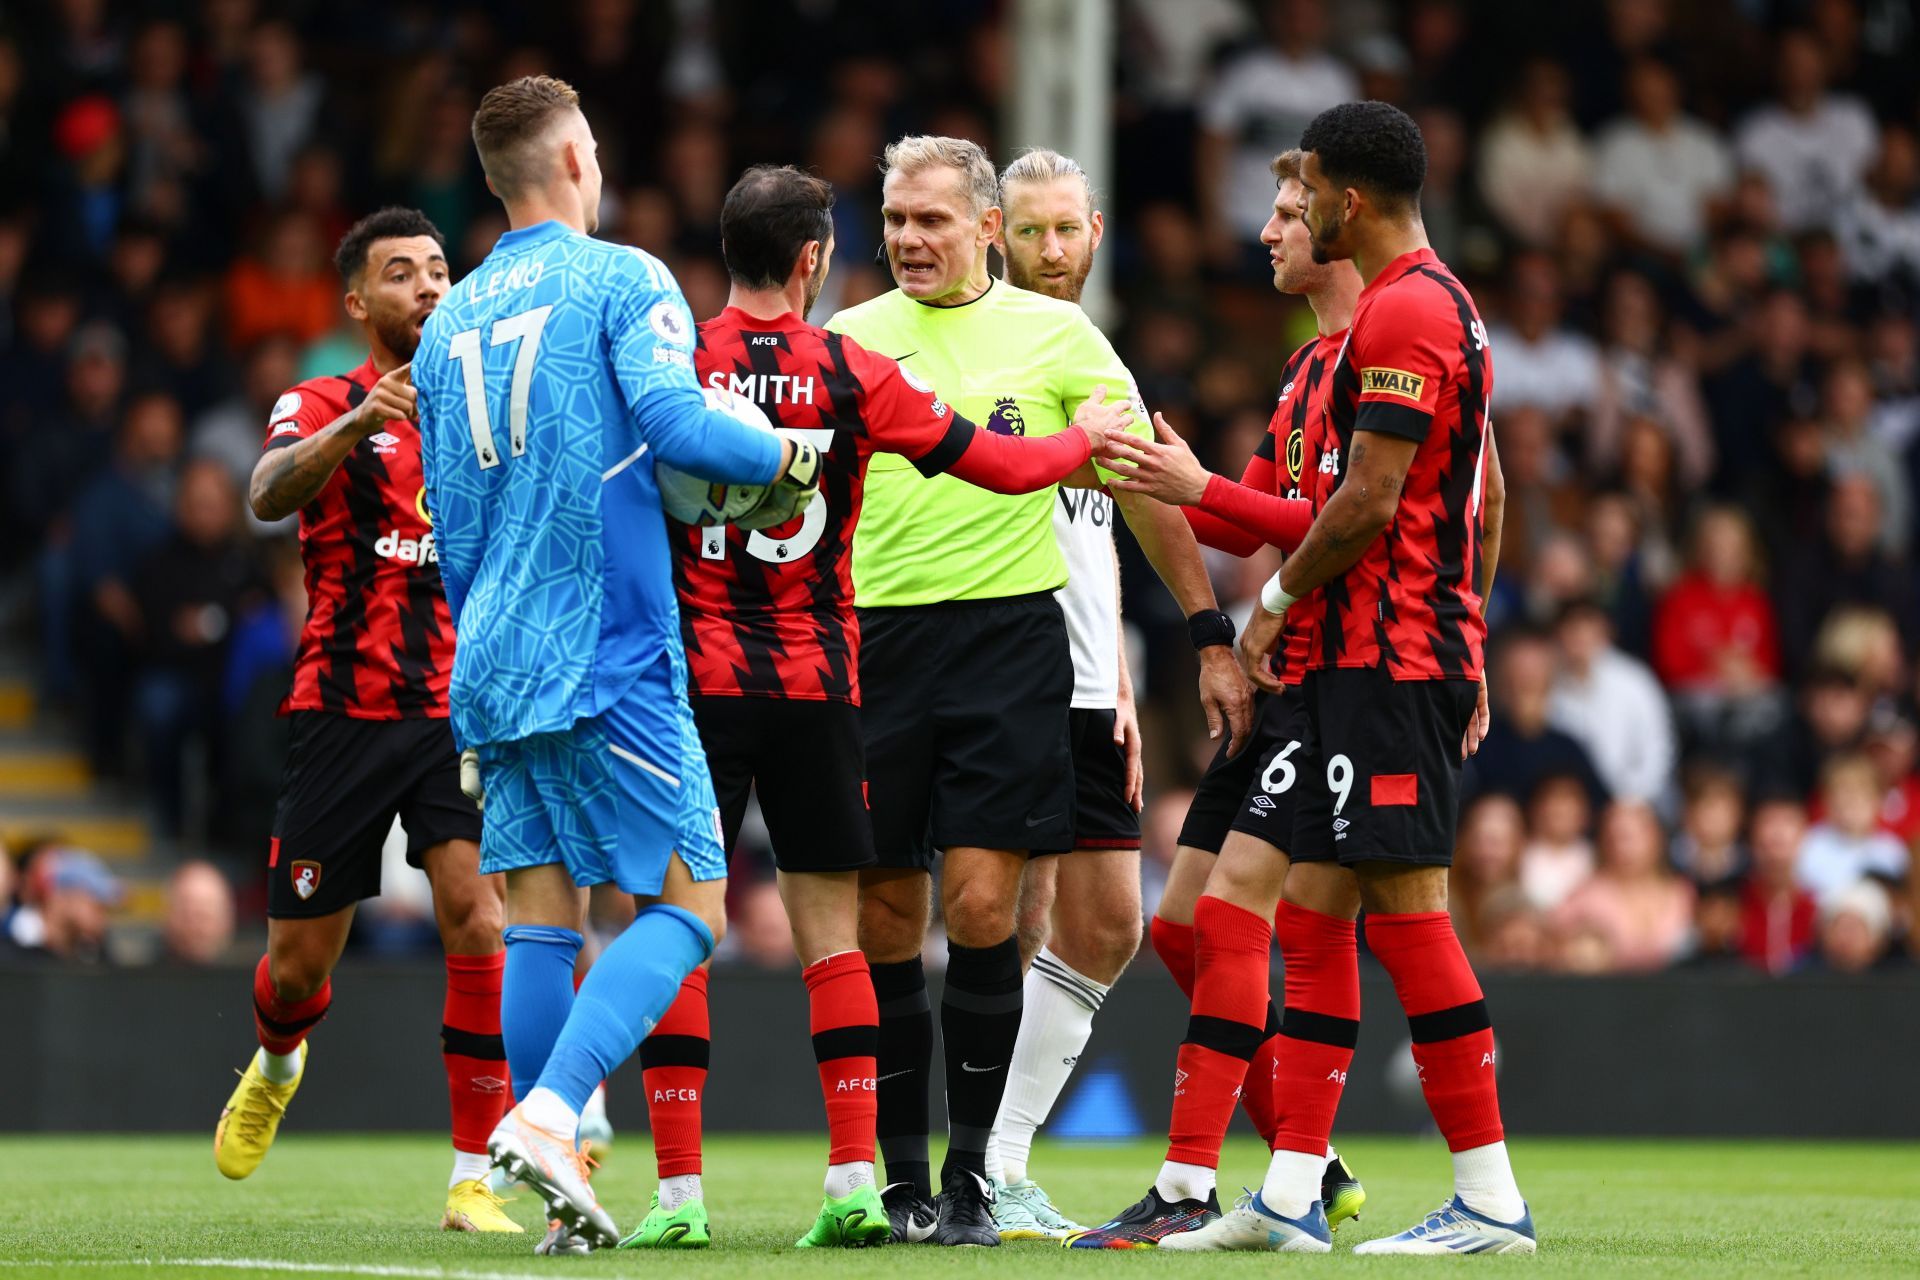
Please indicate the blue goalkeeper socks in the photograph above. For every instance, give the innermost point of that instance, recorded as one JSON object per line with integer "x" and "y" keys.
{"x": 625, "y": 994}
{"x": 535, "y": 997}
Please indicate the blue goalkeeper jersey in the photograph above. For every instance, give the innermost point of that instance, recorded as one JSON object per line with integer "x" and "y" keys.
{"x": 551, "y": 379}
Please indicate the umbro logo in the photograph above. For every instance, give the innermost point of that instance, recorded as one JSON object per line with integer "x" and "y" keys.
{"x": 384, "y": 440}
{"x": 1341, "y": 824}
{"x": 1263, "y": 804}
{"x": 488, "y": 1084}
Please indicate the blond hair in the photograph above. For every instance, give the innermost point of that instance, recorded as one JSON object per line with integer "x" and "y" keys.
{"x": 1038, "y": 164}
{"x": 511, "y": 117}
{"x": 1286, "y": 166}
{"x": 917, "y": 153}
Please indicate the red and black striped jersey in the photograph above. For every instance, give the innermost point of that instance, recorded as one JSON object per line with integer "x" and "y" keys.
{"x": 770, "y": 613}
{"x": 1416, "y": 365}
{"x": 1294, "y": 438}
{"x": 378, "y": 642}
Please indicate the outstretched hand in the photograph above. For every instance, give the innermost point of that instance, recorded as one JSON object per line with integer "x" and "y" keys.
{"x": 1163, "y": 468}
{"x": 1102, "y": 419}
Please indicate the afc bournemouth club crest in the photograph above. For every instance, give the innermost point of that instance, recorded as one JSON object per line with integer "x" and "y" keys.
{"x": 306, "y": 879}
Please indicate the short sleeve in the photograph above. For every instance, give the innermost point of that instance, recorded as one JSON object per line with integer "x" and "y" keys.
{"x": 297, "y": 414}
{"x": 1400, "y": 352}
{"x": 904, "y": 415}
{"x": 1089, "y": 361}
{"x": 650, "y": 332}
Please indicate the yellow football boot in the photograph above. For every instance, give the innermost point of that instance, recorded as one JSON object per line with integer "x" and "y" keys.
{"x": 472, "y": 1206}
{"x": 252, "y": 1117}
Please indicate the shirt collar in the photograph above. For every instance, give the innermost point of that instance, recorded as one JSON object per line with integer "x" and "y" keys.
{"x": 534, "y": 234}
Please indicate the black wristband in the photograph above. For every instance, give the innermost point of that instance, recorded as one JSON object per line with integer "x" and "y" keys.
{"x": 1209, "y": 627}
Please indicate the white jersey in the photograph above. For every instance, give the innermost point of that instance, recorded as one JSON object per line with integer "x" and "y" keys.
{"x": 1083, "y": 522}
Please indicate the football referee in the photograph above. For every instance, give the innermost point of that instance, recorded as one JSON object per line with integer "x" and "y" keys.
{"x": 967, "y": 669}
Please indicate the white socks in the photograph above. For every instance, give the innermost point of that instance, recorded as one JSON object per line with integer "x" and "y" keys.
{"x": 844, "y": 1179}
{"x": 679, "y": 1189}
{"x": 279, "y": 1068}
{"x": 469, "y": 1166}
{"x": 1483, "y": 1179}
{"x": 1055, "y": 1021}
{"x": 545, "y": 1109}
{"x": 1293, "y": 1182}
{"x": 1185, "y": 1181}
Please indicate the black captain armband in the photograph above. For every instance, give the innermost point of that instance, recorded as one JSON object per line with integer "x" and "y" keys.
{"x": 1209, "y": 627}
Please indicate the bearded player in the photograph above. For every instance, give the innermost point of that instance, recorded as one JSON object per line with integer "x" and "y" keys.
{"x": 773, "y": 650}
{"x": 1241, "y": 820}
{"x": 1390, "y": 577}
{"x": 1078, "y": 913}
{"x": 968, "y": 667}
{"x": 370, "y": 739}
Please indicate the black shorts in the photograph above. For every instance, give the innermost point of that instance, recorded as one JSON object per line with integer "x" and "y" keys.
{"x": 964, "y": 711}
{"x": 1387, "y": 753}
{"x": 1256, "y": 790}
{"x": 1103, "y": 817}
{"x": 345, "y": 782}
{"x": 805, "y": 760}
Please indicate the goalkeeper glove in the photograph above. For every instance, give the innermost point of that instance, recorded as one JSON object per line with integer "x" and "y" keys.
{"x": 788, "y": 496}
{"x": 470, "y": 778}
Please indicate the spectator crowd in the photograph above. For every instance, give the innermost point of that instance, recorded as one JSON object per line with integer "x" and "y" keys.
{"x": 1693, "y": 229}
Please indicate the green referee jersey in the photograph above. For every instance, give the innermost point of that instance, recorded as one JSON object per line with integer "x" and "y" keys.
{"x": 1014, "y": 362}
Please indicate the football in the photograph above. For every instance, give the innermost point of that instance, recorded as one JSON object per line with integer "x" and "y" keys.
{"x": 692, "y": 500}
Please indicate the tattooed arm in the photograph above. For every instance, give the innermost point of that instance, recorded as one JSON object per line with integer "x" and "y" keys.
{"x": 289, "y": 477}
{"x": 1358, "y": 512}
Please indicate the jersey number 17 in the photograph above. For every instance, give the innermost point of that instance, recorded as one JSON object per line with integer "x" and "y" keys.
{"x": 523, "y": 328}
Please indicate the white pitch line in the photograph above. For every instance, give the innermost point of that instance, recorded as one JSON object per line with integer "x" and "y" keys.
{"x": 279, "y": 1264}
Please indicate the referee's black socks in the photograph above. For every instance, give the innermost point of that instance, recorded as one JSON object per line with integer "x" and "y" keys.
{"x": 979, "y": 1022}
{"x": 902, "y": 1063}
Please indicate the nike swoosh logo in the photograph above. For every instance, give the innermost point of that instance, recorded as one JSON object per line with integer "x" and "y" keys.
{"x": 891, "y": 1074}
{"x": 1037, "y": 822}
{"x": 908, "y": 356}
{"x": 968, "y": 1066}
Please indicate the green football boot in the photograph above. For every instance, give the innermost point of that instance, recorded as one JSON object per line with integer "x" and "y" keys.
{"x": 684, "y": 1228}
{"x": 854, "y": 1221}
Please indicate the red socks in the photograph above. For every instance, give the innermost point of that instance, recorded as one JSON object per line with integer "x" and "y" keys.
{"x": 283, "y": 1024}
{"x": 1232, "y": 957}
{"x": 673, "y": 1064}
{"x": 1452, "y": 1035}
{"x": 1319, "y": 1029}
{"x": 470, "y": 1045}
{"x": 845, "y": 1021}
{"x": 1173, "y": 943}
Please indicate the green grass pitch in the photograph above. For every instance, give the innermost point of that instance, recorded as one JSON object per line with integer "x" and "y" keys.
{"x": 149, "y": 1208}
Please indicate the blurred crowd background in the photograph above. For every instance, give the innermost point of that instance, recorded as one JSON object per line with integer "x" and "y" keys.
{"x": 1693, "y": 229}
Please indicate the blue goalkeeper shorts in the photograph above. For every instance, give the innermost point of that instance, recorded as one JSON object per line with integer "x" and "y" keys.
{"x": 612, "y": 797}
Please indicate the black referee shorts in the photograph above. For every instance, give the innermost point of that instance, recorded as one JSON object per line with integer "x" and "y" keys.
{"x": 964, "y": 711}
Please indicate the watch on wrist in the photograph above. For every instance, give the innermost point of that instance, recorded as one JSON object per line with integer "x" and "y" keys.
{"x": 1210, "y": 627}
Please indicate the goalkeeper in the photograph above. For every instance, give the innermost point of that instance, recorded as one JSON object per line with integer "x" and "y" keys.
{"x": 549, "y": 383}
